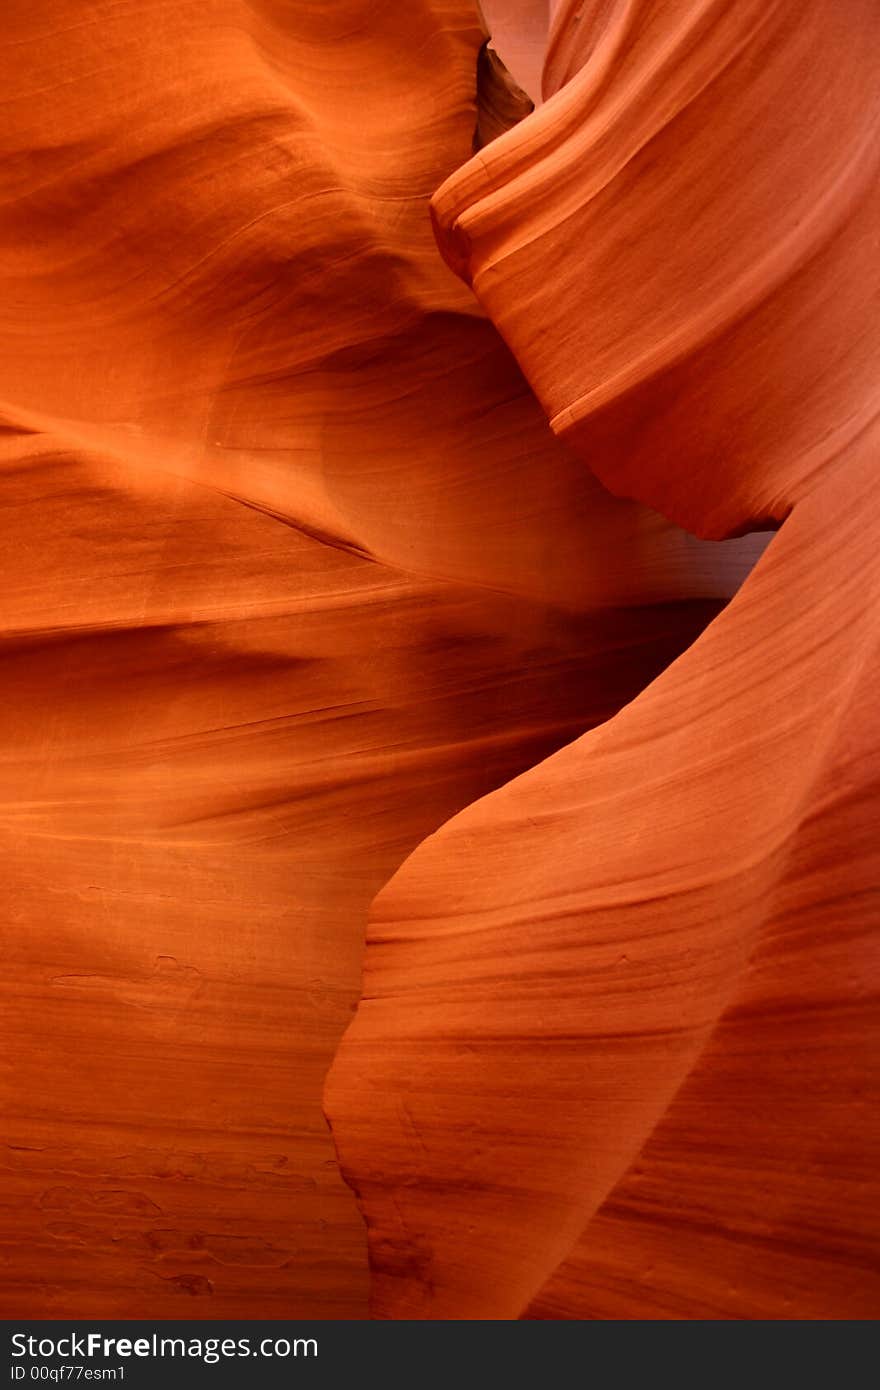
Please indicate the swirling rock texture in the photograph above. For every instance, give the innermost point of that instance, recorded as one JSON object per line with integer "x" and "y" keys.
{"x": 306, "y": 551}
{"x": 617, "y": 1050}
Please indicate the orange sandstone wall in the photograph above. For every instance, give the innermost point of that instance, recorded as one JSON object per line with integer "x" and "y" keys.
{"x": 225, "y": 720}
{"x": 302, "y": 585}
{"x": 616, "y": 1054}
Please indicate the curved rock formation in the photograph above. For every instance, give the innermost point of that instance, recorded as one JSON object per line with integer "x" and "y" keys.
{"x": 294, "y": 570}
{"x": 633, "y": 993}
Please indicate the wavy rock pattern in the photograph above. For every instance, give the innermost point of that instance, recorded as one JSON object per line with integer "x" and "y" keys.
{"x": 294, "y": 569}
{"x": 616, "y": 1054}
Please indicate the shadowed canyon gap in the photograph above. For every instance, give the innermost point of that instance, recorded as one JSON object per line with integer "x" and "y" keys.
{"x": 332, "y": 569}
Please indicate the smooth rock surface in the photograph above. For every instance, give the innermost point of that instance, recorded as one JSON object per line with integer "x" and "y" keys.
{"x": 293, "y": 570}
{"x": 617, "y": 1050}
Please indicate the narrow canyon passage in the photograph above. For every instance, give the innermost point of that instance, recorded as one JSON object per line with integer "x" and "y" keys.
{"x": 396, "y": 722}
{"x": 293, "y": 570}
{"x": 616, "y": 1054}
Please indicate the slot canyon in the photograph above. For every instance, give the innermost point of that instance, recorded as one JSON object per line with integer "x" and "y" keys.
{"x": 441, "y": 636}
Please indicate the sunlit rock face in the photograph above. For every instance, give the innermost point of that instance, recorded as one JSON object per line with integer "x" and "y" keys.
{"x": 349, "y": 557}
{"x": 618, "y": 1036}
{"x": 519, "y": 31}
